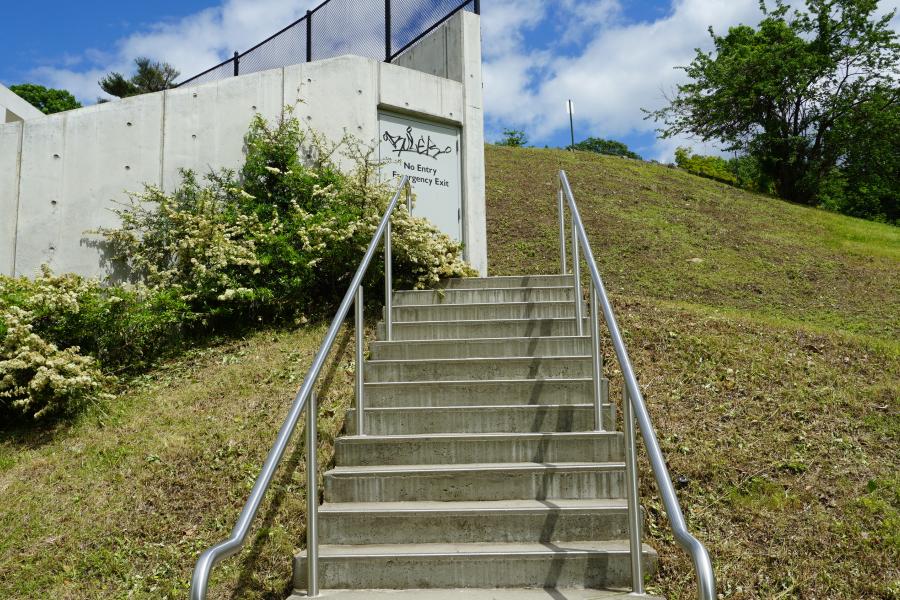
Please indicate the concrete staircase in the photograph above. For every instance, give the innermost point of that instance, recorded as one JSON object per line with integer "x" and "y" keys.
{"x": 480, "y": 468}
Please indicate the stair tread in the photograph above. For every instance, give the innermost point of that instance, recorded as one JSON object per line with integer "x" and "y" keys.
{"x": 478, "y": 549}
{"x": 507, "y": 467}
{"x": 476, "y": 341}
{"x": 475, "y": 407}
{"x": 475, "y": 506}
{"x": 493, "y": 359}
{"x": 530, "y": 380}
{"x": 535, "y": 435}
{"x": 477, "y": 594}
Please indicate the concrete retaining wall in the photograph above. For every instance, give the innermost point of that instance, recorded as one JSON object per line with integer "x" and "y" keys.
{"x": 61, "y": 175}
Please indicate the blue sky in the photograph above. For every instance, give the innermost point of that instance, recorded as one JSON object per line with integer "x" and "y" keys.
{"x": 612, "y": 57}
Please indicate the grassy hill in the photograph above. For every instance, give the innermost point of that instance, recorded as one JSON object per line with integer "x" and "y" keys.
{"x": 771, "y": 366}
{"x": 765, "y": 337}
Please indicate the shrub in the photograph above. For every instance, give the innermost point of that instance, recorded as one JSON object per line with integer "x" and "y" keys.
{"x": 602, "y": 146}
{"x": 283, "y": 236}
{"x": 37, "y": 379}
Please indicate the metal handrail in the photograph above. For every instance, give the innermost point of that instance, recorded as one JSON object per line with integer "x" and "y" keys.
{"x": 633, "y": 407}
{"x": 305, "y": 399}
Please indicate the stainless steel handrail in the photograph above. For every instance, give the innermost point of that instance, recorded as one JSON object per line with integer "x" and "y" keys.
{"x": 634, "y": 407}
{"x": 306, "y": 396}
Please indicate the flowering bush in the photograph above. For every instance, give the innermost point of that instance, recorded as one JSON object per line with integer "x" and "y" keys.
{"x": 282, "y": 236}
{"x": 37, "y": 379}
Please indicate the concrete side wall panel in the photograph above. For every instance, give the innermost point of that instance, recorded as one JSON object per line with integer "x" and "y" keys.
{"x": 112, "y": 149}
{"x": 41, "y": 185}
{"x": 421, "y": 93}
{"x": 429, "y": 55}
{"x": 336, "y": 97}
{"x": 205, "y": 125}
{"x": 10, "y": 147}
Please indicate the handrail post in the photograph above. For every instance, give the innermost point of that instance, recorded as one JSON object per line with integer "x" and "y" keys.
{"x": 388, "y": 285}
{"x": 596, "y": 360}
{"x": 360, "y": 362}
{"x": 562, "y": 232}
{"x": 312, "y": 500}
{"x": 237, "y": 63}
{"x": 576, "y": 270}
{"x": 309, "y": 36}
{"x": 634, "y": 503}
{"x": 387, "y": 31}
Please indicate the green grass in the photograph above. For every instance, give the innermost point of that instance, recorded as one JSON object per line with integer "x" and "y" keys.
{"x": 771, "y": 370}
{"x": 771, "y": 366}
{"x": 120, "y": 503}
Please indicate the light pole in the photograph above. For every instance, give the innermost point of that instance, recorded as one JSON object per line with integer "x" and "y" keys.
{"x": 570, "y": 108}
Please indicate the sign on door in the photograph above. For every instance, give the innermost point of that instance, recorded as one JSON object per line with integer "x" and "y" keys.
{"x": 429, "y": 154}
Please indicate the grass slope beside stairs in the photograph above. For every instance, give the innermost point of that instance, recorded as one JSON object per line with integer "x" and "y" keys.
{"x": 766, "y": 338}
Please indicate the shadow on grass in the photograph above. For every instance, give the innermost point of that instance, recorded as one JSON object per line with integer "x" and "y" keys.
{"x": 250, "y": 565}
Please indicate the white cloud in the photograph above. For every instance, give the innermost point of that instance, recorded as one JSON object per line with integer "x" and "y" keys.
{"x": 192, "y": 44}
{"x": 587, "y": 51}
{"x": 622, "y": 68}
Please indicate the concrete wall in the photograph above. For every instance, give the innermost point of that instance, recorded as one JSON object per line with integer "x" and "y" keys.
{"x": 13, "y": 108}
{"x": 61, "y": 175}
{"x": 453, "y": 51}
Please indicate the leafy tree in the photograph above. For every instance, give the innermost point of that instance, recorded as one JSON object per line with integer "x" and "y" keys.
{"x": 711, "y": 167}
{"x": 513, "y": 137}
{"x": 602, "y": 146}
{"x": 798, "y": 93}
{"x": 46, "y": 100}
{"x": 149, "y": 77}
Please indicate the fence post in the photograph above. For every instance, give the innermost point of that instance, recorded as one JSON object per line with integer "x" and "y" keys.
{"x": 309, "y": 36}
{"x": 387, "y": 31}
{"x": 237, "y": 63}
{"x": 477, "y": 7}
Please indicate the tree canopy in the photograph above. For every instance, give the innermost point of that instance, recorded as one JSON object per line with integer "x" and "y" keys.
{"x": 602, "y": 146}
{"x": 513, "y": 137}
{"x": 47, "y": 100}
{"x": 149, "y": 77}
{"x": 808, "y": 94}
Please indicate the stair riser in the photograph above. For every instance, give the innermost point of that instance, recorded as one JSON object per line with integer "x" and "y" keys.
{"x": 462, "y": 527}
{"x": 592, "y": 570}
{"x": 482, "y": 393}
{"x": 469, "y": 283}
{"x": 506, "y": 419}
{"x": 479, "y": 369}
{"x": 480, "y": 296}
{"x": 464, "y": 312}
{"x": 474, "y": 485}
{"x": 433, "y": 451}
{"x": 492, "y": 348}
{"x": 455, "y": 330}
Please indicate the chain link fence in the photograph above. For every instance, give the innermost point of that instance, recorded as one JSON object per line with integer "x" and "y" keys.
{"x": 380, "y": 29}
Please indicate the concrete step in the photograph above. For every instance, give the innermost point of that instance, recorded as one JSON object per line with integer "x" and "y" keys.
{"x": 475, "y": 594}
{"x": 483, "y": 393}
{"x": 462, "y": 448}
{"x": 505, "y": 521}
{"x": 479, "y": 419}
{"x": 480, "y": 481}
{"x": 482, "y": 348}
{"x": 567, "y": 564}
{"x": 479, "y": 328}
{"x": 485, "y": 311}
{"x": 484, "y": 295}
{"x": 507, "y": 281}
{"x": 457, "y": 369}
